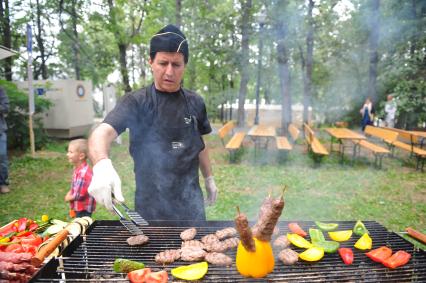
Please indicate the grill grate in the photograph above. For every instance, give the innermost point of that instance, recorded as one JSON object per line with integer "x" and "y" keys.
{"x": 89, "y": 258}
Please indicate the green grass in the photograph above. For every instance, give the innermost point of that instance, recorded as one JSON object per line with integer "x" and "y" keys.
{"x": 394, "y": 196}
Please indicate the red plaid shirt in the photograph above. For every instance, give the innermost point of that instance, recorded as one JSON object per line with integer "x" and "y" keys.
{"x": 80, "y": 183}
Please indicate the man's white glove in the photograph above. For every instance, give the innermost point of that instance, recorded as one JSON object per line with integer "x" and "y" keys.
{"x": 105, "y": 181}
{"x": 211, "y": 190}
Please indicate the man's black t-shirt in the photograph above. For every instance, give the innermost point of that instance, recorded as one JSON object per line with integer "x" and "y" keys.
{"x": 137, "y": 108}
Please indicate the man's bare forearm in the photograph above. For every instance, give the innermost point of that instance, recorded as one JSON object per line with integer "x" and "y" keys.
{"x": 100, "y": 141}
{"x": 204, "y": 160}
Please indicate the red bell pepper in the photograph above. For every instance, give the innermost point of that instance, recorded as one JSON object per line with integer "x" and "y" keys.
{"x": 295, "y": 228}
{"x": 22, "y": 224}
{"x": 380, "y": 254}
{"x": 8, "y": 228}
{"x": 347, "y": 255}
{"x": 397, "y": 259}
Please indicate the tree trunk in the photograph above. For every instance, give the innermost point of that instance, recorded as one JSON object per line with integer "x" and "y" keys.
{"x": 284, "y": 75}
{"x": 373, "y": 41}
{"x": 123, "y": 67}
{"x": 307, "y": 94}
{"x": 6, "y": 38}
{"x": 178, "y": 13}
{"x": 40, "y": 43}
{"x": 76, "y": 42}
{"x": 244, "y": 60}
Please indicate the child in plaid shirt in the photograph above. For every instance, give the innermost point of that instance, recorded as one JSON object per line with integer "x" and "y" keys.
{"x": 81, "y": 203}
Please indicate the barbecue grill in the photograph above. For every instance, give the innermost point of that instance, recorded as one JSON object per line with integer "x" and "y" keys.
{"x": 89, "y": 258}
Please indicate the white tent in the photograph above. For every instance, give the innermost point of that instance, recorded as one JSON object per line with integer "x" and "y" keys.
{"x": 6, "y": 52}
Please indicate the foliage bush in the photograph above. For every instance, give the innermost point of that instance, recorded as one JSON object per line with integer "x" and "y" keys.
{"x": 17, "y": 118}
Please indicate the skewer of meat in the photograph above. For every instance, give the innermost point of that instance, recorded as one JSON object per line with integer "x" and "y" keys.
{"x": 15, "y": 257}
{"x": 264, "y": 210}
{"x": 267, "y": 224}
{"x": 188, "y": 234}
{"x": 244, "y": 230}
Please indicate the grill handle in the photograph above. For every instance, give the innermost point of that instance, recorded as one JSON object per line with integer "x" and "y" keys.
{"x": 416, "y": 235}
{"x": 46, "y": 250}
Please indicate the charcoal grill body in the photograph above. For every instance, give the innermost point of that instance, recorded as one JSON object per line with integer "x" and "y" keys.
{"x": 90, "y": 258}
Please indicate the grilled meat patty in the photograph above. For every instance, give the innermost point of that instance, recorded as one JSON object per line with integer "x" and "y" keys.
{"x": 137, "y": 240}
{"x": 167, "y": 256}
{"x": 226, "y": 233}
{"x": 282, "y": 242}
{"x": 188, "y": 234}
{"x": 209, "y": 238}
{"x": 218, "y": 246}
{"x": 218, "y": 259}
{"x": 231, "y": 243}
{"x": 288, "y": 256}
{"x": 192, "y": 254}
{"x": 192, "y": 244}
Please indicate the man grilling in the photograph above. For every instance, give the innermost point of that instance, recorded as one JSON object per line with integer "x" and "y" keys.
{"x": 166, "y": 124}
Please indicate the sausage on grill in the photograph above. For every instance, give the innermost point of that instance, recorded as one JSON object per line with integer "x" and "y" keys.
{"x": 218, "y": 259}
{"x": 137, "y": 240}
{"x": 218, "y": 246}
{"x": 244, "y": 230}
{"x": 267, "y": 223}
{"x": 231, "y": 243}
{"x": 282, "y": 242}
{"x": 288, "y": 256}
{"x": 192, "y": 244}
{"x": 188, "y": 234}
{"x": 15, "y": 257}
{"x": 192, "y": 254}
{"x": 167, "y": 256}
{"x": 210, "y": 238}
{"x": 226, "y": 233}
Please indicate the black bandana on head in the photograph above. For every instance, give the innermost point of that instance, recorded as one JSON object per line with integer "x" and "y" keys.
{"x": 169, "y": 39}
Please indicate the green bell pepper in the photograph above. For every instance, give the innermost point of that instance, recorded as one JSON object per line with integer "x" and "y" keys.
{"x": 359, "y": 228}
{"x": 318, "y": 239}
{"x": 326, "y": 226}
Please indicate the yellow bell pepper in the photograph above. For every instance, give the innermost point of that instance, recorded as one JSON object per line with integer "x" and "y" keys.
{"x": 255, "y": 264}
{"x": 191, "y": 272}
{"x": 312, "y": 254}
{"x": 4, "y": 239}
{"x": 298, "y": 241}
{"x": 364, "y": 243}
{"x": 340, "y": 236}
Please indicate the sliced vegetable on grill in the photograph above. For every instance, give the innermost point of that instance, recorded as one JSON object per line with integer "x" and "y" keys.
{"x": 359, "y": 228}
{"x": 398, "y": 259}
{"x": 157, "y": 277}
{"x": 312, "y": 254}
{"x": 364, "y": 243}
{"x": 317, "y": 238}
{"x": 194, "y": 271}
{"x": 125, "y": 265}
{"x": 298, "y": 241}
{"x": 380, "y": 254}
{"x": 139, "y": 275}
{"x": 326, "y": 226}
{"x": 295, "y": 228}
{"x": 347, "y": 255}
{"x": 340, "y": 236}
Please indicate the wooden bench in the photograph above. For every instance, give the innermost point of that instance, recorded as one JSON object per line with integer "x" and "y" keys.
{"x": 418, "y": 152}
{"x": 234, "y": 144}
{"x": 378, "y": 151}
{"x": 314, "y": 145}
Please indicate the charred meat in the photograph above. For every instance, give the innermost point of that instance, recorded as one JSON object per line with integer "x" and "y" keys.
{"x": 218, "y": 259}
{"x": 244, "y": 230}
{"x": 266, "y": 224}
{"x": 188, "y": 234}
{"x": 137, "y": 240}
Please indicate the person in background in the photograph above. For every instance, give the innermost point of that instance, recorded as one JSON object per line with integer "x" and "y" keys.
{"x": 367, "y": 111}
{"x": 81, "y": 203}
{"x": 390, "y": 110}
{"x": 166, "y": 124}
{"x": 4, "y": 162}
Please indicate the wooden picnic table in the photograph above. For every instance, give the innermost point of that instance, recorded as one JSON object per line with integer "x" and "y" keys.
{"x": 421, "y": 137}
{"x": 345, "y": 134}
{"x": 261, "y": 134}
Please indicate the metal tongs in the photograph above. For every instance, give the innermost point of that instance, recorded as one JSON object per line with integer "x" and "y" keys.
{"x": 129, "y": 218}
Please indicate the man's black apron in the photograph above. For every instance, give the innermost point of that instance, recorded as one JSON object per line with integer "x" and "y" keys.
{"x": 166, "y": 167}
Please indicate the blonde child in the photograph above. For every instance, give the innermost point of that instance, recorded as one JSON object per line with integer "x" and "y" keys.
{"x": 81, "y": 203}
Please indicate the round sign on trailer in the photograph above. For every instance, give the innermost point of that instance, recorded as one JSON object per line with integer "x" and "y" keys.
{"x": 80, "y": 91}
